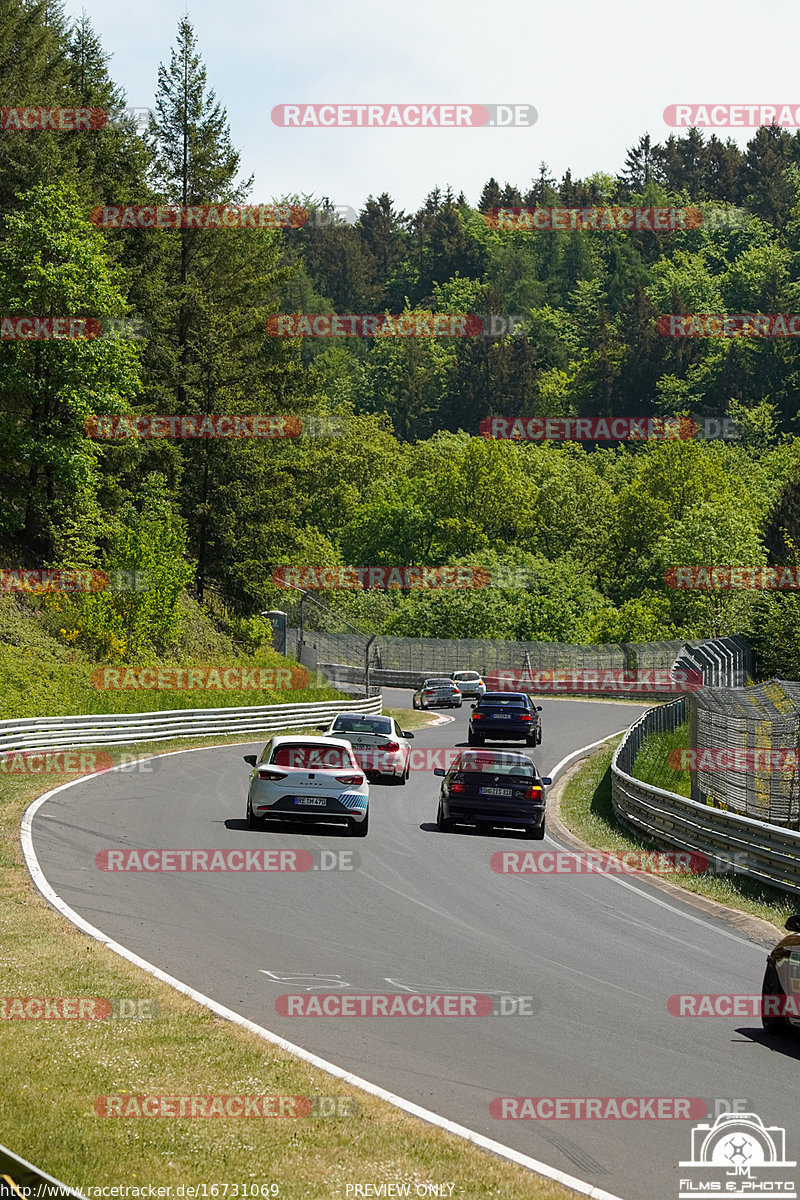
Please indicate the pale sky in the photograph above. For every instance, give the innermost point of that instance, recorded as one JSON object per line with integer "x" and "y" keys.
{"x": 599, "y": 73}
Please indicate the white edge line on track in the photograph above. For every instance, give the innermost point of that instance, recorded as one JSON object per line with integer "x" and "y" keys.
{"x": 414, "y": 1110}
{"x": 643, "y": 891}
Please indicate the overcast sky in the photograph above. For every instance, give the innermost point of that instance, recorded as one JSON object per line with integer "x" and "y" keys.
{"x": 599, "y": 73}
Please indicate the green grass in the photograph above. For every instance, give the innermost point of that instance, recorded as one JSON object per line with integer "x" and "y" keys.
{"x": 586, "y": 810}
{"x": 55, "y": 1070}
{"x": 409, "y": 718}
{"x": 42, "y": 675}
{"x": 651, "y": 764}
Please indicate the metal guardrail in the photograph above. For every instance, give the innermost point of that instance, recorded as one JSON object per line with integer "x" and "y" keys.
{"x": 120, "y": 729}
{"x": 767, "y": 853}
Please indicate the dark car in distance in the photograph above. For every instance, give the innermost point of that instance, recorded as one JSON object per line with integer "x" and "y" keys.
{"x": 503, "y": 717}
{"x": 490, "y": 789}
{"x": 781, "y": 987}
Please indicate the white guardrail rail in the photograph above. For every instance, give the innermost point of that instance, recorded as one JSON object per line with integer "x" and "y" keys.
{"x": 767, "y": 853}
{"x": 124, "y": 729}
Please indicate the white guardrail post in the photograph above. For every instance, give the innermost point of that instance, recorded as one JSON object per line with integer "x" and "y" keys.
{"x": 125, "y": 729}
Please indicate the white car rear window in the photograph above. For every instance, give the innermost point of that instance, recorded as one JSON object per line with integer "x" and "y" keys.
{"x": 312, "y": 757}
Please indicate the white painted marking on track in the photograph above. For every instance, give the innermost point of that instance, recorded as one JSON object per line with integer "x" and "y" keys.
{"x": 643, "y": 891}
{"x": 414, "y": 1110}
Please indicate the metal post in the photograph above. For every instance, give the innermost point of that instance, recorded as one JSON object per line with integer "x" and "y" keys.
{"x": 366, "y": 663}
{"x": 302, "y": 636}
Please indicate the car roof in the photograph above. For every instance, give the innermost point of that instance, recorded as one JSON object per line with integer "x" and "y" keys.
{"x": 306, "y": 739}
{"x": 502, "y": 756}
{"x": 495, "y": 753}
{"x": 358, "y": 716}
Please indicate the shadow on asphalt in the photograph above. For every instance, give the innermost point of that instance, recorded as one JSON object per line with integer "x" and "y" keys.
{"x": 786, "y": 1044}
{"x": 318, "y": 829}
{"x": 466, "y": 830}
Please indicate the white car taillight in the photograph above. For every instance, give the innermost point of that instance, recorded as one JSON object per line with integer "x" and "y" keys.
{"x": 350, "y": 780}
{"x": 270, "y": 774}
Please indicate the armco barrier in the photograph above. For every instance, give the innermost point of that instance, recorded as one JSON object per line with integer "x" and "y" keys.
{"x": 121, "y": 729}
{"x": 764, "y": 852}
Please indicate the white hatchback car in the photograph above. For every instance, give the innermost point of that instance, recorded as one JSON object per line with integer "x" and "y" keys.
{"x": 308, "y": 778}
{"x": 379, "y": 744}
{"x": 469, "y": 683}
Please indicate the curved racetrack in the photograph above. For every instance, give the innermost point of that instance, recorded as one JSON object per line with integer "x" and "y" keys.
{"x": 425, "y": 912}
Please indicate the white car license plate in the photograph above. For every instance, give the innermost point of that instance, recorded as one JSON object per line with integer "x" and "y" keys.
{"x": 503, "y": 716}
{"x": 497, "y": 792}
{"x": 316, "y": 800}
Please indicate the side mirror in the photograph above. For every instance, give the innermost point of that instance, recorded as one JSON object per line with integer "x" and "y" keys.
{"x": 473, "y": 706}
{"x": 250, "y": 759}
{"x": 439, "y": 771}
{"x": 407, "y": 734}
{"x": 546, "y": 780}
{"x": 538, "y": 708}
{"x": 321, "y": 728}
{"x": 793, "y": 924}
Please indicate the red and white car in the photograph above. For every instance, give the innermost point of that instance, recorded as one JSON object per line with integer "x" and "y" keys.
{"x": 378, "y": 742}
{"x": 308, "y": 778}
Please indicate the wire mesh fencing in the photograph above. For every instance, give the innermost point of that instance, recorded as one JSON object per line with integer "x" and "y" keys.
{"x": 746, "y": 745}
{"x": 624, "y": 668}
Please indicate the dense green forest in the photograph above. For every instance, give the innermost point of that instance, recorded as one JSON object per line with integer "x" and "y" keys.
{"x": 578, "y": 537}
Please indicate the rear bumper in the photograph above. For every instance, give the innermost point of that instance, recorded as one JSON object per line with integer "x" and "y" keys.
{"x": 500, "y": 731}
{"x": 354, "y": 809}
{"x": 380, "y": 762}
{"x": 494, "y": 812}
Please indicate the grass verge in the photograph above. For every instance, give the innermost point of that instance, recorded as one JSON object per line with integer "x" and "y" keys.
{"x": 651, "y": 764}
{"x": 55, "y": 1070}
{"x": 586, "y": 810}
